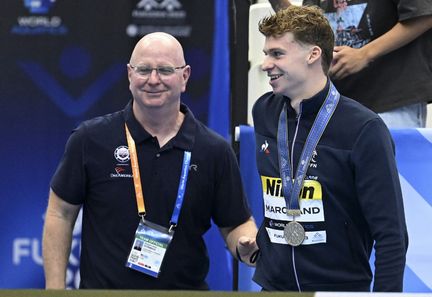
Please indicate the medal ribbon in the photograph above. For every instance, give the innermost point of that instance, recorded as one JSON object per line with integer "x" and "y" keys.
{"x": 137, "y": 180}
{"x": 291, "y": 189}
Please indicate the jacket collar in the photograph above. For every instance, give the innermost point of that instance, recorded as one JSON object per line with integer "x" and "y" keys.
{"x": 313, "y": 104}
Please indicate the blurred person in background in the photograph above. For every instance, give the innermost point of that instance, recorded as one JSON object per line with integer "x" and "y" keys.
{"x": 382, "y": 55}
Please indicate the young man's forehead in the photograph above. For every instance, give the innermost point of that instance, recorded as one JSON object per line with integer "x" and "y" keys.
{"x": 282, "y": 41}
{"x": 287, "y": 36}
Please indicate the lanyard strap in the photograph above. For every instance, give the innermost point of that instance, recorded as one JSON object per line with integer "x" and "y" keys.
{"x": 136, "y": 173}
{"x": 137, "y": 181}
{"x": 182, "y": 187}
{"x": 291, "y": 186}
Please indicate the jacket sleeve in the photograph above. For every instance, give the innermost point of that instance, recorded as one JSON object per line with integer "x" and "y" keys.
{"x": 380, "y": 197}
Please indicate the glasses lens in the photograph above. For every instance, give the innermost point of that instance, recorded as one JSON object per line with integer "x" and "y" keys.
{"x": 161, "y": 70}
{"x": 165, "y": 70}
{"x": 142, "y": 70}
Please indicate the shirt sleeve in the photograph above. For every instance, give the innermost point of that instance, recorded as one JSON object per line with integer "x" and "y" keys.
{"x": 380, "y": 198}
{"x": 409, "y": 9}
{"x": 68, "y": 182}
{"x": 231, "y": 206}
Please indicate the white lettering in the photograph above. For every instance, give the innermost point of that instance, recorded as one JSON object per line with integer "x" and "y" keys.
{"x": 21, "y": 248}
{"x": 37, "y": 252}
{"x": 40, "y": 21}
{"x": 24, "y": 247}
{"x": 120, "y": 175}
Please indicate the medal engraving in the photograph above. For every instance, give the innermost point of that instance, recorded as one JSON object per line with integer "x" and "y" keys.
{"x": 294, "y": 233}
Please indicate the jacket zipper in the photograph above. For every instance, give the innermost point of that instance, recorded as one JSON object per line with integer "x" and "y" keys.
{"x": 298, "y": 117}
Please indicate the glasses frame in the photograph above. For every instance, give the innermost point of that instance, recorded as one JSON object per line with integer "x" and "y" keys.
{"x": 134, "y": 68}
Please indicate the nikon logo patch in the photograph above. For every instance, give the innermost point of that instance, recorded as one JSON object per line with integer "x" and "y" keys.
{"x": 273, "y": 186}
{"x": 311, "y": 204}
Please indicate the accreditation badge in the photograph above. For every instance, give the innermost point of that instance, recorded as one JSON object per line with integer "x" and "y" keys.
{"x": 149, "y": 247}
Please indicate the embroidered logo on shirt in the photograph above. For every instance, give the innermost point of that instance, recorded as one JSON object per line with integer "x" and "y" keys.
{"x": 121, "y": 154}
{"x": 122, "y": 168}
{"x": 264, "y": 147}
{"x": 119, "y": 170}
{"x": 313, "y": 161}
{"x": 193, "y": 167}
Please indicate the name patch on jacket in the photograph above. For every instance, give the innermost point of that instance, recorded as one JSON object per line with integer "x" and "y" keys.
{"x": 311, "y": 208}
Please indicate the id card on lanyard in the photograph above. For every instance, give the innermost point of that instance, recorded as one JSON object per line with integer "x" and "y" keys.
{"x": 149, "y": 247}
{"x": 152, "y": 240}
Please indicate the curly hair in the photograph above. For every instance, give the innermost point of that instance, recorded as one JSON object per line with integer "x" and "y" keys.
{"x": 308, "y": 25}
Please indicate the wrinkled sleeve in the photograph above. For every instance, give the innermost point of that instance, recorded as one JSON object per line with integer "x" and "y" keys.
{"x": 380, "y": 197}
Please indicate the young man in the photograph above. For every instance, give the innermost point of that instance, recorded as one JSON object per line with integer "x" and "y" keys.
{"x": 330, "y": 184}
{"x": 150, "y": 178}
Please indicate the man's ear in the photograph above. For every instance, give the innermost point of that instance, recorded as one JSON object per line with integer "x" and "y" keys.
{"x": 314, "y": 54}
{"x": 129, "y": 71}
{"x": 186, "y": 74}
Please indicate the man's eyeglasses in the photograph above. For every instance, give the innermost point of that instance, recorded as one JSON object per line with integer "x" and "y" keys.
{"x": 145, "y": 71}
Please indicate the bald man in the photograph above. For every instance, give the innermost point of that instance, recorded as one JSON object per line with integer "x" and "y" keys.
{"x": 150, "y": 179}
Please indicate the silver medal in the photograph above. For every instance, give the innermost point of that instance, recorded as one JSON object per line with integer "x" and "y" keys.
{"x": 294, "y": 233}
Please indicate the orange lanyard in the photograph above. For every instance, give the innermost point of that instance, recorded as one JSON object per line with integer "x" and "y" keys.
{"x": 136, "y": 173}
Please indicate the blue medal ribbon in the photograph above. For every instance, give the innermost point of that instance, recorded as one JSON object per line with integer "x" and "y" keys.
{"x": 291, "y": 186}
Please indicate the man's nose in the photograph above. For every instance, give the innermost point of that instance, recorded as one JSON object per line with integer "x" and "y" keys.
{"x": 266, "y": 64}
{"x": 153, "y": 76}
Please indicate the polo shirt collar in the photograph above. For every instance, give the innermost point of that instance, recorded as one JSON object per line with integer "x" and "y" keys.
{"x": 184, "y": 139}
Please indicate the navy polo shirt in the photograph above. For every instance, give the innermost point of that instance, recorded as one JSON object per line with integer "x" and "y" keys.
{"x": 96, "y": 171}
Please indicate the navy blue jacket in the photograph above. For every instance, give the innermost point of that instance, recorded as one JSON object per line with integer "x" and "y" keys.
{"x": 351, "y": 198}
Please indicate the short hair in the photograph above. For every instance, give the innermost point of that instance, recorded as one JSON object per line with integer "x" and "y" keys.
{"x": 308, "y": 25}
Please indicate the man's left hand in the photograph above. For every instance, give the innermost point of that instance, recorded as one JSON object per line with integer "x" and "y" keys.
{"x": 347, "y": 61}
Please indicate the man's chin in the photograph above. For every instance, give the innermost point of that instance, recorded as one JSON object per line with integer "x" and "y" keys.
{"x": 276, "y": 91}
{"x": 153, "y": 103}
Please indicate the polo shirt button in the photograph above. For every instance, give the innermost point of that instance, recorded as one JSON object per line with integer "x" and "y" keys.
{"x": 157, "y": 155}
